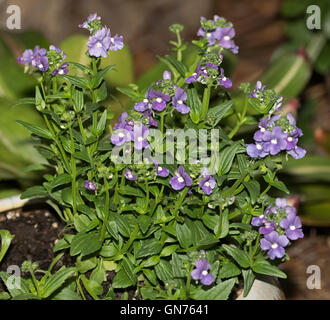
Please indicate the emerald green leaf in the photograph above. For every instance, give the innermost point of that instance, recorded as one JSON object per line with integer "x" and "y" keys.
{"x": 248, "y": 277}
{"x": 177, "y": 266}
{"x": 240, "y": 256}
{"x": 101, "y": 93}
{"x": 134, "y": 95}
{"x": 92, "y": 287}
{"x": 276, "y": 184}
{"x": 41, "y": 132}
{"x": 60, "y": 180}
{"x": 254, "y": 190}
{"x": 227, "y": 156}
{"x": 195, "y": 104}
{"x": 85, "y": 243}
{"x": 78, "y": 100}
{"x": 55, "y": 281}
{"x": 96, "y": 81}
{"x": 229, "y": 270}
{"x": 149, "y": 247}
{"x": 34, "y": 192}
{"x": 131, "y": 191}
{"x": 98, "y": 275}
{"x": 24, "y": 101}
{"x": 219, "y": 292}
{"x": 102, "y": 122}
{"x": 6, "y": 239}
{"x": 66, "y": 294}
{"x": 126, "y": 276}
{"x": 184, "y": 235}
{"x": 164, "y": 270}
{"x": 77, "y": 81}
{"x": 176, "y": 66}
{"x": 216, "y": 113}
{"x": 264, "y": 267}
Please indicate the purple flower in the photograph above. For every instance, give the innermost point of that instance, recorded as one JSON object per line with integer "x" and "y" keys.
{"x": 116, "y": 43}
{"x": 181, "y": 179}
{"x": 142, "y": 105}
{"x": 90, "y": 18}
{"x": 194, "y": 77}
{"x": 224, "y": 81}
{"x": 274, "y": 244}
{"x": 26, "y": 57}
{"x": 268, "y": 227}
{"x": 258, "y": 221}
{"x": 178, "y": 99}
{"x": 160, "y": 171}
{"x": 208, "y": 183}
{"x": 129, "y": 175}
{"x": 61, "y": 70}
{"x": 89, "y": 185}
{"x": 58, "y": 50}
{"x": 297, "y": 152}
{"x": 99, "y": 43}
{"x": 225, "y": 36}
{"x": 41, "y": 62}
{"x": 275, "y": 140}
{"x": 140, "y": 135}
{"x": 121, "y": 136}
{"x": 255, "y": 150}
{"x": 258, "y": 87}
{"x": 160, "y": 99}
{"x": 292, "y": 226}
{"x": 167, "y": 75}
{"x": 201, "y": 272}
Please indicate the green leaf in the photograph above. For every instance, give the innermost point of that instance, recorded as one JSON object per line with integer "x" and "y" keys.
{"x": 149, "y": 247}
{"x": 167, "y": 251}
{"x": 60, "y": 180}
{"x": 6, "y": 239}
{"x": 66, "y": 294}
{"x": 102, "y": 122}
{"x": 229, "y": 270}
{"x": 85, "y": 243}
{"x": 24, "y": 101}
{"x": 101, "y": 93}
{"x": 92, "y": 287}
{"x": 96, "y": 81}
{"x": 98, "y": 274}
{"x": 184, "y": 235}
{"x": 78, "y": 100}
{"x": 164, "y": 270}
{"x": 55, "y": 281}
{"x": 216, "y": 113}
{"x": 195, "y": 104}
{"x": 34, "y": 192}
{"x": 177, "y": 67}
{"x": 254, "y": 190}
{"x": 264, "y": 267}
{"x": 150, "y": 262}
{"x": 144, "y": 223}
{"x": 76, "y": 81}
{"x": 41, "y": 132}
{"x": 83, "y": 264}
{"x": 126, "y": 276}
{"x": 248, "y": 277}
{"x": 240, "y": 256}
{"x": 178, "y": 269}
{"x": 219, "y": 292}
{"x": 227, "y": 156}
{"x": 276, "y": 184}
{"x": 131, "y": 191}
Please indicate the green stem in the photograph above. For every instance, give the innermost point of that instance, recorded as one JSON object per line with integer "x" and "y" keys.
{"x": 188, "y": 284}
{"x": 179, "y": 52}
{"x": 73, "y": 173}
{"x": 180, "y": 201}
{"x": 106, "y": 209}
{"x": 80, "y": 289}
{"x": 54, "y": 80}
{"x": 81, "y": 127}
{"x": 206, "y": 102}
{"x": 217, "y": 235}
{"x": 35, "y": 282}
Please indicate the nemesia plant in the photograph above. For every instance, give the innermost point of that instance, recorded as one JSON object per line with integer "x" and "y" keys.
{"x": 170, "y": 219}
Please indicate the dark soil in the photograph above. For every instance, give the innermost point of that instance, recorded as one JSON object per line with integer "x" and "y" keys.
{"x": 36, "y": 231}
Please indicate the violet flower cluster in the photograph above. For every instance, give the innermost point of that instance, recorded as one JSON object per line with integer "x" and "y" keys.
{"x": 276, "y": 133}
{"x": 162, "y": 94}
{"x": 45, "y": 60}
{"x": 278, "y": 224}
{"x": 218, "y": 32}
{"x": 210, "y": 72}
{"x": 100, "y": 40}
